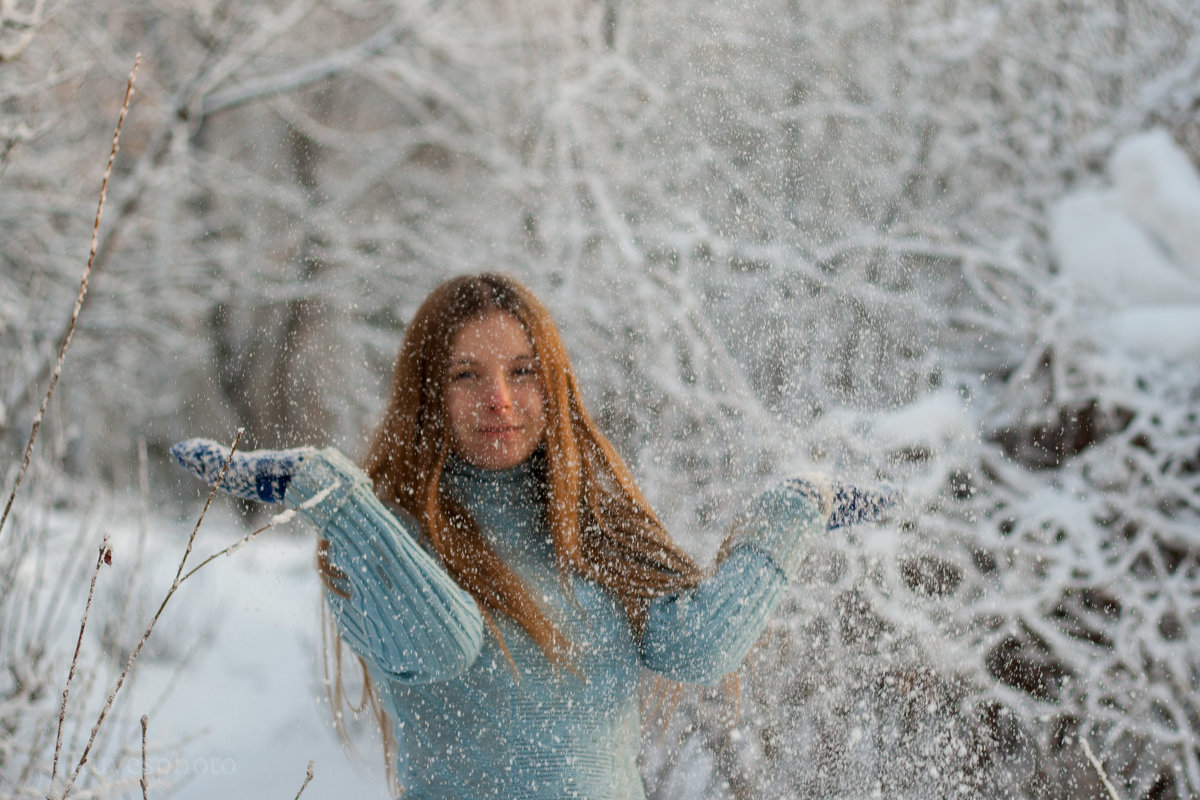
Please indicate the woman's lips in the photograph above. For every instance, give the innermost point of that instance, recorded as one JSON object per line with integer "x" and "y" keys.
{"x": 499, "y": 430}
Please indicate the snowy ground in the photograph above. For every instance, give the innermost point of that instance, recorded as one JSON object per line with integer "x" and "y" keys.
{"x": 247, "y": 711}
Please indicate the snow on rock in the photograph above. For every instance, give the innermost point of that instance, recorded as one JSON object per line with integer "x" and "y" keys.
{"x": 1160, "y": 191}
{"x": 1110, "y": 258}
{"x": 1133, "y": 250}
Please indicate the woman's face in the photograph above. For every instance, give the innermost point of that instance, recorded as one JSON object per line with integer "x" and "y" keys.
{"x": 495, "y": 406}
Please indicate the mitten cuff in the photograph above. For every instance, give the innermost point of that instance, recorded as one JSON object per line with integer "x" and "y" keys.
{"x": 323, "y": 484}
{"x": 782, "y": 519}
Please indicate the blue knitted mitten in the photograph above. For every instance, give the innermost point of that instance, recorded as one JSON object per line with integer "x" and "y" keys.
{"x": 852, "y": 505}
{"x": 261, "y": 475}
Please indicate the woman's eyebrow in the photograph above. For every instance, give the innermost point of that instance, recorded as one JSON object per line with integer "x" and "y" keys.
{"x": 471, "y": 360}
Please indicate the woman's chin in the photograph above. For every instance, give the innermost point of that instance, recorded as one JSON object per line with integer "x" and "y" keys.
{"x": 497, "y": 456}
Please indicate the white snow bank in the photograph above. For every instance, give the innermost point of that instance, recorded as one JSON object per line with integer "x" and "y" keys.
{"x": 931, "y": 423}
{"x": 1170, "y": 332}
{"x": 247, "y": 711}
{"x": 1160, "y": 191}
{"x": 1133, "y": 251}
{"x": 1112, "y": 259}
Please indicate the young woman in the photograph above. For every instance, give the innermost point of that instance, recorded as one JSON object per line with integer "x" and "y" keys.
{"x": 499, "y": 573}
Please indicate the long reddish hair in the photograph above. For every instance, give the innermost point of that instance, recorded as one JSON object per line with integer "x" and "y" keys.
{"x": 602, "y": 527}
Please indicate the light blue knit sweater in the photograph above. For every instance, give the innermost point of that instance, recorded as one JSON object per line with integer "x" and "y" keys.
{"x": 470, "y": 728}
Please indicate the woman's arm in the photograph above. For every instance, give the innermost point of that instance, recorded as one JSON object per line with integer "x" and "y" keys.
{"x": 393, "y": 602}
{"x": 702, "y": 634}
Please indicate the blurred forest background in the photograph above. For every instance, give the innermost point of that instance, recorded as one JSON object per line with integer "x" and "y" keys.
{"x": 775, "y": 234}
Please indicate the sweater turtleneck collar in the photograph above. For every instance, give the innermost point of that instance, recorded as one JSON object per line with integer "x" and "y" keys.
{"x": 470, "y": 484}
{"x": 508, "y": 505}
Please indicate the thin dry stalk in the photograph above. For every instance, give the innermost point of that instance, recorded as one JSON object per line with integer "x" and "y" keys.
{"x": 83, "y": 287}
{"x": 279, "y": 519}
{"x": 145, "y": 792}
{"x": 308, "y": 777}
{"x": 284, "y": 517}
{"x": 1108, "y": 787}
{"x": 180, "y": 578}
{"x": 149, "y": 629}
{"x": 105, "y": 557}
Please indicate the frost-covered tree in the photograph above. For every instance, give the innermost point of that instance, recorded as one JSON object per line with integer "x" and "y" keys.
{"x": 776, "y": 234}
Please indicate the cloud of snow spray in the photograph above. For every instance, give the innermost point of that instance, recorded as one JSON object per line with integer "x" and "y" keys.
{"x": 776, "y": 236}
{"x": 1038, "y": 591}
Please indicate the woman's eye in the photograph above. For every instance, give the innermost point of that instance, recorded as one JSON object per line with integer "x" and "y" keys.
{"x": 462, "y": 375}
{"x": 521, "y": 372}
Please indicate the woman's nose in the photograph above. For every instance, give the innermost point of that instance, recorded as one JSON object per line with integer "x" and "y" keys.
{"x": 499, "y": 394}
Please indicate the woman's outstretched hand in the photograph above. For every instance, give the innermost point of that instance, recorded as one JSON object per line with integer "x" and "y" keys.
{"x": 852, "y": 504}
{"x": 261, "y": 475}
{"x": 846, "y": 504}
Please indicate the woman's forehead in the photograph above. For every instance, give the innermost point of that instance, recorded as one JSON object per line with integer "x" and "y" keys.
{"x": 497, "y": 334}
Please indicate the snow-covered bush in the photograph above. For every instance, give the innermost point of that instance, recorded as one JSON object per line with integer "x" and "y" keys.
{"x": 1095, "y": 499}
{"x": 1042, "y": 589}
{"x": 776, "y": 235}
{"x": 49, "y": 555}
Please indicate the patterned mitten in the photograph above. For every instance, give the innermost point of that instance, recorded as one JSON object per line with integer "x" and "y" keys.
{"x": 852, "y": 505}
{"x": 261, "y": 475}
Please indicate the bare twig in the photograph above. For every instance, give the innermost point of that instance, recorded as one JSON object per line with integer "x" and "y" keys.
{"x": 236, "y": 545}
{"x": 145, "y": 792}
{"x": 104, "y": 557}
{"x": 133, "y": 655}
{"x": 308, "y": 777}
{"x": 1087, "y": 750}
{"x": 83, "y": 287}
{"x": 279, "y": 519}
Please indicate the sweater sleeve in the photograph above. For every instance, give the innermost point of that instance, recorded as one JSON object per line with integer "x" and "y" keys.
{"x": 703, "y": 633}
{"x": 395, "y": 605}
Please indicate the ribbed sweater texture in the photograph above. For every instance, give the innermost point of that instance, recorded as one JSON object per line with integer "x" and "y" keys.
{"x": 469, "y": 725}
